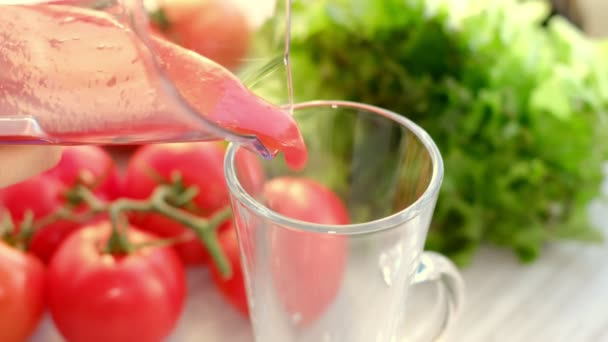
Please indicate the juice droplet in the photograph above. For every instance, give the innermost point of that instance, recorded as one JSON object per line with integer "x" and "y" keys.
{"x": 296, "y": 157}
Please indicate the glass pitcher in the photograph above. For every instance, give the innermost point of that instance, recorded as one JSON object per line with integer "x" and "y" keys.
{"x": 91, "y": 72}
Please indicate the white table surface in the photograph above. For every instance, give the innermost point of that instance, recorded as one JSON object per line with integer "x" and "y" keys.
{"x": 561, "y": 297}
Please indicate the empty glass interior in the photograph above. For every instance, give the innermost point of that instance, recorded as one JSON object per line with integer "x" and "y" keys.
{"x": 376, "y": 165}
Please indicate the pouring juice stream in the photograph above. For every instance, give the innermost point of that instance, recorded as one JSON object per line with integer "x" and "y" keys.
{"x": 72, "y": 75}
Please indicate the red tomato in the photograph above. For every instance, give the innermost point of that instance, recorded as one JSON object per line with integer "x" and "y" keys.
{"x": 155, "y": 30}
{"x": 98, "y": 169}
{"x": 42, "y": 195}
{"x": 216, "y": 29}
{"x": 232, "y": 289}
{"x": 94, "y": 165}
{"x": 200, "y": 165}
{"x": 307, "y": 268}
{"x": 95, "y": 296}
{"x": 306, "y": 200}
{"x": 21, "y": 294}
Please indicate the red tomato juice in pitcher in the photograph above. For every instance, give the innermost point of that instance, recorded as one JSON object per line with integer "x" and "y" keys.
{"x": 77, "y": 72}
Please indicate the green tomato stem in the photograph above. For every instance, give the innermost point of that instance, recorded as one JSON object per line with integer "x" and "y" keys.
{"x": 160, "y": 201}
{"x": 7, "y": 226}
{"x": 7, "y": 232}
{"x": 118, "y": 242}
{"x": 159, "y": 17}
{"x": 205, "y": 229}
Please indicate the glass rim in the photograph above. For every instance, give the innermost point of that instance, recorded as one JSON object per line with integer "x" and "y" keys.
{"x": 400, "y": 217}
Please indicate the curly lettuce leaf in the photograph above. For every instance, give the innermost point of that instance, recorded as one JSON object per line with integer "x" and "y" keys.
{"x": 517, "y": 108}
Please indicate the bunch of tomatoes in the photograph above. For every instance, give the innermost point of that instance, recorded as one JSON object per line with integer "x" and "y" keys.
{"x": 54, "y": 253}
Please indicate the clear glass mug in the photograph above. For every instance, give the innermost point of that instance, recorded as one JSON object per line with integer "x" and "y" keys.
{"x": 346, "y": 283}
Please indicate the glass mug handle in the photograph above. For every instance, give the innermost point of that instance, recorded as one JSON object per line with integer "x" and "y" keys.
{"x": 435, "y": 267}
